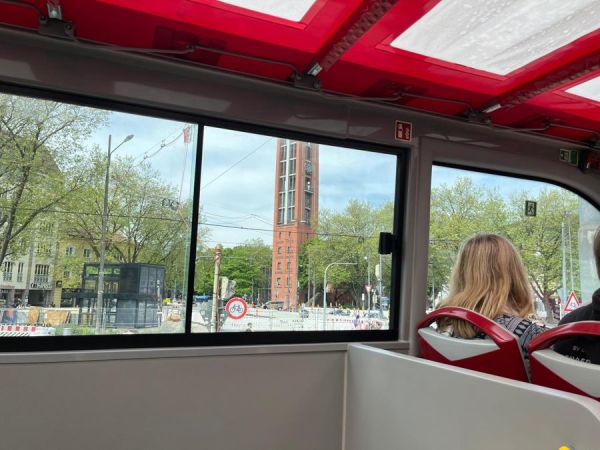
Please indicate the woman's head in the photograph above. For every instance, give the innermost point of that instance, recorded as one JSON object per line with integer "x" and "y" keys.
{"x": 489, "y": 278}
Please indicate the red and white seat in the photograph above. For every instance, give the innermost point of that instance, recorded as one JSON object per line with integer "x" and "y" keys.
{"x": 498, "y": 354}
{"x": 551, "y": 369}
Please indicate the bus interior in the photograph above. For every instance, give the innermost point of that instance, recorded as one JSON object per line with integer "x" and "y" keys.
{"x": 229, "y": 224}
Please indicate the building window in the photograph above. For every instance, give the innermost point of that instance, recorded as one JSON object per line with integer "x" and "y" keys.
{"x": 42, "y": 272}
{"x": 347, "y": 210}
{"x": 43, "y": 249}
{"x": 8, "y": 270}
{"x": 20, "y": 272}
{"x": 46, "y": 227}
{"x": 559, "y": 234}
{"x": 69, "y": 250}
{"x": 87, "y": 253}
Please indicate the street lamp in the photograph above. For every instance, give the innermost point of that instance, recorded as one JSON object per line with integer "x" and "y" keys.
{"x": 100, "y": 299}
{"x": 325, "y": 287}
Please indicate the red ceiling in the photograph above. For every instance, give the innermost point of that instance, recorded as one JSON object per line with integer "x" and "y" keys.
{"x": 350, "y": 40}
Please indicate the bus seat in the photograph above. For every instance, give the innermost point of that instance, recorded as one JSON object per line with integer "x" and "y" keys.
{"x": 498, "y": 355}
{"x": 551, "y": 369}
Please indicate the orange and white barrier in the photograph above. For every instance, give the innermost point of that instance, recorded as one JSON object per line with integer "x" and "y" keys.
{"x": 11, "y": 330}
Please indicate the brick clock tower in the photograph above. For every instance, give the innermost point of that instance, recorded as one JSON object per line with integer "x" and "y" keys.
{"x": 295, "y": 217}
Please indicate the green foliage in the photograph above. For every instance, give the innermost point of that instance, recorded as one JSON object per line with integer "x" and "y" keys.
{"x": 145, "y": 224}
{"x": 460, "y": 210}
{"x": 248, "y": 264}
{"x": 349, "y": 236}
{"x": 41, "y": 144}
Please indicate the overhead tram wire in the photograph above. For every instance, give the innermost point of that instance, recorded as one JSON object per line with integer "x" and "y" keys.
{"x": 236, "y": 163}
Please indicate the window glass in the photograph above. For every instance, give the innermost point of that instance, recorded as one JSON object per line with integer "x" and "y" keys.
{"x": 78, "y": 180}
{"x": 553, "y": 234}
{"x": 291, "y": 259}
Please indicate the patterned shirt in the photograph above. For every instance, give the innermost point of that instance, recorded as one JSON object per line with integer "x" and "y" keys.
{"x": 524, "y": 329}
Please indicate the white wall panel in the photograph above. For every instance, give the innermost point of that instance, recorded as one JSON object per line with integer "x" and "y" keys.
{"x": 249, "y": 402}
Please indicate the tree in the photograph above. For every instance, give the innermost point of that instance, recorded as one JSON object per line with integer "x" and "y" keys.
{"x": 351, "y": 235}
{"x": 540, "y": 240}
{"x": 459, "y": 211}
{"x": 249, "y": 265}
{"x": 146, "y": 223}
{"x": 41, "y": 143}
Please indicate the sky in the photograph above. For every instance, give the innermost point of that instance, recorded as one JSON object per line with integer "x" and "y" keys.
{"x": 172, "y": 162}
{"x": 238, "y": 179}
{"x": 238, "y": 171}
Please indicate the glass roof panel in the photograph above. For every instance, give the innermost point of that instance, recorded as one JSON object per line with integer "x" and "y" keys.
{"x": 499, "y": 36}
{"x": 285, "y": 9}
{"x": 590, "y": 89}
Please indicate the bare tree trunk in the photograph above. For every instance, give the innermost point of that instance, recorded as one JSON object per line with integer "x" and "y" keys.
{"x": 548, "y": 306}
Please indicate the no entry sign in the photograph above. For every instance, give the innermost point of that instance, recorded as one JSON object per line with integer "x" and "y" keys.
{"x": 236, "y": 308}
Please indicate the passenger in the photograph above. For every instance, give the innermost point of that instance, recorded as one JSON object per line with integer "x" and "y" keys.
{"x": 489, "y": 278}
{"x": 584, "y": 348}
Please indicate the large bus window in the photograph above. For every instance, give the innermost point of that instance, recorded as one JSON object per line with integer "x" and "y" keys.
{"x": 553, "y": 234}
{"x": 95, "y": 227}
{"x": 288, "y": 236}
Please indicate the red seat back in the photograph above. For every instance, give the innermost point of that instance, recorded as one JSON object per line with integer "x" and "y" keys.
{"x": 498, "y": 355}
{"x": 551, "y": 369}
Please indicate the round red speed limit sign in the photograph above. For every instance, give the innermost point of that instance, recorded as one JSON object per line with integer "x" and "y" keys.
{"x": 236, "y": 308}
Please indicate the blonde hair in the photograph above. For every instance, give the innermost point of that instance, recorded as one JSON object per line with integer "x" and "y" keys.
{"x": 489, "y": 278}
{"x": 597, "y": 250}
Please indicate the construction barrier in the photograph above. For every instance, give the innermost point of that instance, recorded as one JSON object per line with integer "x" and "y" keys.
{"x": 25, "y": 331}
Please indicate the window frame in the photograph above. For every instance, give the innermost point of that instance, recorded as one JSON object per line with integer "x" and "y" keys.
{"x": 401, "y": 152}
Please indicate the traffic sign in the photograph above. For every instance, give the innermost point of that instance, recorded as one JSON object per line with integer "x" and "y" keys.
{"x": 572, "y": 302}
{"x": 236, "y": 308}
{"x": 530, "y": 208}
{"x": 368, "y": 288}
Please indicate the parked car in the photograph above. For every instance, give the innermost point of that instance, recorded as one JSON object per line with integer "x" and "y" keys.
{"x": 277, "y": 305}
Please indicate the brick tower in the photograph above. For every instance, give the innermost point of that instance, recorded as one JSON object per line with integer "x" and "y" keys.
{"x": 296, "y": 210}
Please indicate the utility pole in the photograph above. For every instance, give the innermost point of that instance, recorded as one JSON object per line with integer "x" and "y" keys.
{"x": 368, "y": 259}
{"x": 379, "y": 275}
{"x": 104, "y": 231}
{"x": 215, "y": 301}
{"x": 570, "y": 253}
{"x": 564, "y": 268}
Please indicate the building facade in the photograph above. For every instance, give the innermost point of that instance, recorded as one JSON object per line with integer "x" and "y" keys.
{"x": 27, "y": 276}
{"x": 296, "y": 209}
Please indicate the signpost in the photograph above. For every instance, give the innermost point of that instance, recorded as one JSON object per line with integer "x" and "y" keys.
{"x": 572, "y": 303}
{"x": 236, "y": 307}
